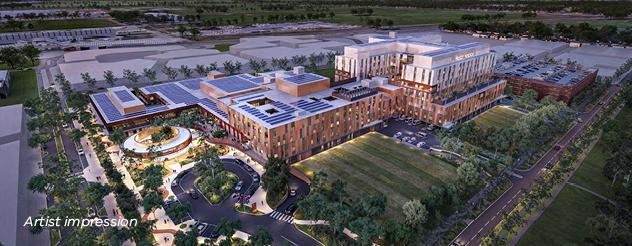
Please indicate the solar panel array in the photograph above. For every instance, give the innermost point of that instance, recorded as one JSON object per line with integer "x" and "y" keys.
{"x": 174, "y": 93}
{"x": 233, "y": 83}
{"x": 213, "y": 107}
{"x": 248, "y": 98}
{"x": 272, "y": 120}
{"x": 60, "y": 35}
{"x": 124, "y": 96}
{"x": 313, "y": 106}
{"x": 303, "y": 78}
{"x": 192, "y": 84}
{"x": 111, "y": 113}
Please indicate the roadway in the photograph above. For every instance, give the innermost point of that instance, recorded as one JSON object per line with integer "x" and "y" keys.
{"x": 490, "y": 218}
{"x": 204, "y": 211}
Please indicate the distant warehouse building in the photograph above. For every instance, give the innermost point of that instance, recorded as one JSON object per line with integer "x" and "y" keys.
{"x": 562, "y": 82}
{"x": 4, "y": 84}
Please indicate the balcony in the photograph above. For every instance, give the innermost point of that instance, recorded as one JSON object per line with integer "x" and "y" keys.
{"x": 474, "y": 90}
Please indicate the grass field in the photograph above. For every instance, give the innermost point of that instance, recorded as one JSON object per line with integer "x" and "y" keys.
{"x": 327, "y": 72}
{"x": 62, "y": 24}
{"x": 375, "y": 163}
{"x": 222, "y": 47}
{"x": 589, "y": 173}
{"x": 500, "y": 116}
{"x": 564, "y": 222}
{"x": 23, "y": 85}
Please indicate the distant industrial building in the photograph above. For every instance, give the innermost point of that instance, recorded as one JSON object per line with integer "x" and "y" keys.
{"x": 56, "y": 36}
{"x": 562, "y": 82}
{"x": 4, "y": 83}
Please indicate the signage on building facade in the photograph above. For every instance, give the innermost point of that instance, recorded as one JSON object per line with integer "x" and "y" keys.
{"x": 461, "y": 57}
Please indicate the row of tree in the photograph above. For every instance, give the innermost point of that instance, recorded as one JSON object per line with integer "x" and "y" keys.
{"x": 582, "y": 32}
{"x": 19, "y": 57}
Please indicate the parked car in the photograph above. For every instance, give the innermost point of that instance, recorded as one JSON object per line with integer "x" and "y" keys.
{"x": 398, "y": 134}
{"x": 557, "y": 147}
{"x": 248, "y": 168}
{"x": 292, "y": 192}
{"x": 421, "y": 144}
{"x": 421, "y": 134}
{"x": 291, "y": 209}
{"x": 549, "y": 165}
{"x": 174, "y": 183}
{"x": 405, "y": 139}
{"x": 255, "y": 178}
{"x": 80, "y": 151}
{"x": 194, "y": 194}
{"x": 214, "y": 233}
{"x": 239, "y": 185}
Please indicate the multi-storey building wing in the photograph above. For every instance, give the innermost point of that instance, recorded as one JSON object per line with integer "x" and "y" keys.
{"x": 441, "y": 83}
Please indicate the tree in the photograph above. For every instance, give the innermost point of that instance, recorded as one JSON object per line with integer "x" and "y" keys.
{"x": 298, "y": 60}
{"x": 171, "y": 73}
{"x": 150, "y": 74}
{"x": 186, "y": 239}
{"x": 76, "y": 134}
{"x": 227, "y": 228}
{"x": 181, "y": 29}
{"x": 114, "y": 236}
{"x": 275, "y": 176}
{"x": 152, "y": 200}
{"x": 261, "y": 238}
{"x": 117, "y": 136}
{"x": 31, "y": 52}
{"x": 194, "y": 33}
{"x": 331, "y": 58}
{"x": 468, "y": 175}
{"x": 109, "y": 78}
{"x": 200, "y": 69}
{"x": 186, "y": 71}
{"x": 91, "y": 82}
{"x": 208, "y": 162}
{"x": 179, "y": 210}
{"x": 527, "y": 100}
{"x": 211, "y": 67}
{"x": 415, "y": 213}
{"x": 131, "y": 75}
{"x": 368, "y": 230}
{"x": 12, "y": 56}
{"x": 94, "y": 194}
{"x": 229, "y": 67}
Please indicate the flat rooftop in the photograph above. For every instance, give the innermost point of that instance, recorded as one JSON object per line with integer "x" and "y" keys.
{"x": 232, "y": 84}
{"x": 544, "y": 71}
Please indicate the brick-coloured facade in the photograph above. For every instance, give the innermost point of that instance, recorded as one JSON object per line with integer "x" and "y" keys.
{"x": 544, "y": 88}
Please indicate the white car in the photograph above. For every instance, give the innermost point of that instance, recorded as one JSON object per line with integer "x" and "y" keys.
{"x": 405, "y": 139}
{"x": 413, "y": 139}
{"x": 421, "y": 144}
{"x": 398, "y": 134}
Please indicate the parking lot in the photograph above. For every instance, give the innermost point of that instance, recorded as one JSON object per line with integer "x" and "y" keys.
{"x": 415, "y": 133}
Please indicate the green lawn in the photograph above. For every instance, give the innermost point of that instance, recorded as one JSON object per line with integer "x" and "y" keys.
{"x": 222, "y": 47}
{"x": 564, "y": 222}
{"x": 62, "y": 24}
{"x": 589, "y": 173}
{"x": 500, "y": 116}
{"x": 23, "y": 85}
{"x": 327, "y": 72}
{"x": 375, "y": 163}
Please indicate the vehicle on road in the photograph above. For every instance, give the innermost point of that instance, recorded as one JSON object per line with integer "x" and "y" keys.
{"x": 549, "y": 164}
{"x": 255, "y": 178}
{"x": 292, "y": 192}
{"x": 239, "y": 185}
{"x": 248, "y": 168}
{"x": 194, "y": 194}
{"x": 557, "y": 147}
{"x": 80, "y": 151}
{"x": 174, "y": 183}
{"x": 291, "y": 209}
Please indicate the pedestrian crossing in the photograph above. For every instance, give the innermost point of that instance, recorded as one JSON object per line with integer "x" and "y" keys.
{"x": 282, "y": 217}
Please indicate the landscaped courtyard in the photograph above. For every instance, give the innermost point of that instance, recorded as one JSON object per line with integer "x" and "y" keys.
{"x": 500, "y": 116}
{"x": 376, "y": 163}
{"x": 23, "y": 86}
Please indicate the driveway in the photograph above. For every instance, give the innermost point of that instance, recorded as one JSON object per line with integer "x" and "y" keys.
{"x": 202, "y": 210}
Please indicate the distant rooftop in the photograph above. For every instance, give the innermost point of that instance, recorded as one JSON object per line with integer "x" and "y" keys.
{"x": 544, "y": 71}
{"x": 234, "y": 83}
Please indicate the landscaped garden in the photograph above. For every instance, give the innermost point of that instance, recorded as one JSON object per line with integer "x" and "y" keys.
{"x": 375, "y": 163}
{"x": 501, "y": 116}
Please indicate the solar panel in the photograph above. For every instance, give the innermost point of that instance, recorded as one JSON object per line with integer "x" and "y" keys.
{"x": 303, "y": 78}
{"x": 124, "y": 96}
{"x": 232, "y": 84}
{"x": 192, "y": 84}
{"x": 313, "y": 106}
{"x": 270, "y": 119}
